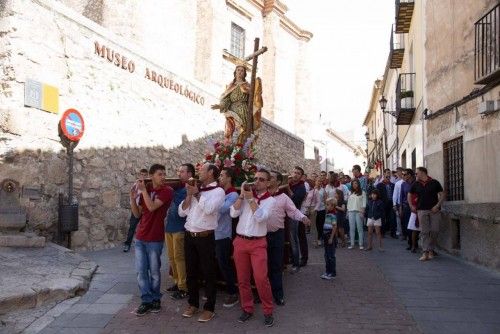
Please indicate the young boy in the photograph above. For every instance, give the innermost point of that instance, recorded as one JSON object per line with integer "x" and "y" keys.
{"x": 330, "y": 239}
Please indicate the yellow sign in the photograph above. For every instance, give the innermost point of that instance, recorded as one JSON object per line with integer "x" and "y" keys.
{"x": 41, "y": 96}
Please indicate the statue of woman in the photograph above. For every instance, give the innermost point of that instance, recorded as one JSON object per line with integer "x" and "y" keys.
{"x": 234, "y": 105}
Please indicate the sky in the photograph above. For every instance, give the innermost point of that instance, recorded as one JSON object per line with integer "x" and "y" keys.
{"x": 348, "y": 53}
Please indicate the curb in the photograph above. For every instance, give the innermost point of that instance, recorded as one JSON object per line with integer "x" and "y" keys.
{"x": 53, "y": 290}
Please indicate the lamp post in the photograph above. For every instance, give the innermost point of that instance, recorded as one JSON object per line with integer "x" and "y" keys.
{"x": 383, "y": 106}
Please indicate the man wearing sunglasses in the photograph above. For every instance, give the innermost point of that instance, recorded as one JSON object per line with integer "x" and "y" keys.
{"x": 255, "y": 208}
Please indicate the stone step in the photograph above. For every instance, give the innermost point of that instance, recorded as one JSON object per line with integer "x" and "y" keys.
{"x": 22, "y": 240}
{"x": 12, "y": 221}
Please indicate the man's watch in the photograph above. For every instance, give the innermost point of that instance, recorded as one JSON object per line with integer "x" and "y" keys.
{"x": 251, "y": 200}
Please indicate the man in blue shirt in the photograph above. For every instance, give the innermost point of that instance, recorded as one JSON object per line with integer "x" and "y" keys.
{"x": 174, "y": 234}
{"x": 223, "y": 237}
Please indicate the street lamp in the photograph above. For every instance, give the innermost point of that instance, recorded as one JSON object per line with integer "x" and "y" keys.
{"x": 383, "y": 105}
{"x": 367, "y": 136}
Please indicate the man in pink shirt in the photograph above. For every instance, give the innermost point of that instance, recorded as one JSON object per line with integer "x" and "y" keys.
{"x": 254, "y": 207}
{"x": 276, "y": 234}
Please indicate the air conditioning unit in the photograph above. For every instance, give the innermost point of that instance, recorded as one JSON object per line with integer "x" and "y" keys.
{"x": 488, "y": 107}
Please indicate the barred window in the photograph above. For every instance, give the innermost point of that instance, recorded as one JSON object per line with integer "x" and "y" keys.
{"x": 454, "y": 169}
{"x": 237, "y": 41}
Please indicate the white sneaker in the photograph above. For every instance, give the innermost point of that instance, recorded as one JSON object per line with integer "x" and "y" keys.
{"x": 361, "y": 247}
{"x": 324, "y": 276}
{"x": 350, "y": 247}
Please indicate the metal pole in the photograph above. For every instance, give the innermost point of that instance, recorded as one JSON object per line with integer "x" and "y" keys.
{"x": 70, "y": 173}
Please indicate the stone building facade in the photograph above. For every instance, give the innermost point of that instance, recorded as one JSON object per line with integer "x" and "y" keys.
{"x": 449, "y": 56}
{"x": 461, "y": 143}
{"x": 144, "y": 91}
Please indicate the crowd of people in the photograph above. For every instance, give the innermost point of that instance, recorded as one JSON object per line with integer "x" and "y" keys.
{"x": 208, "y": 226}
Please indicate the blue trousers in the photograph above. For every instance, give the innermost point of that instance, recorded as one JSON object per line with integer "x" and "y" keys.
{"x": 294, "y": 242}
{"x": 275, "y": 248}
{"x": 223, "y": 254}
{"x": 330, "y": 259}
{"x": 147, "y": 264}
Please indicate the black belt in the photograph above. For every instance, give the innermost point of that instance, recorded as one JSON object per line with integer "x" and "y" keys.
{"x": 249, "y": 238}
{"x": 200, "y": 234}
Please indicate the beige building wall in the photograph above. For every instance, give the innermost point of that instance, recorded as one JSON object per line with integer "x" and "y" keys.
{"x": 449, "y": 71}
{"x": 410, "y": 136}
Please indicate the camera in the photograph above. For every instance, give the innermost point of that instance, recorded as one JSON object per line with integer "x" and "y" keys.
{"x": 148, "y": 182}
{"x": 192, "y": 181}
{"x": 248, "y": 186}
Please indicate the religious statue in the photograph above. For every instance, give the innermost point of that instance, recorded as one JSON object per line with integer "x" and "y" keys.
{"x": 235, "y": 107}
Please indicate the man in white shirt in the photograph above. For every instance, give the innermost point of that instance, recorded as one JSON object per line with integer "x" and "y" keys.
{"x": 201, "y": 207}
{"x": 255, "y": 209}
{"x": 396, "y": 201}
{"x": 276, "y": 234}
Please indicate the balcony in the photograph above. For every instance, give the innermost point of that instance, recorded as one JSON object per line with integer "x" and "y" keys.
{"x": 487, "y": 47}
{"x": 404, "y": 12}
{"x": 397, "y": 50}
{"x": 405, "y": 100}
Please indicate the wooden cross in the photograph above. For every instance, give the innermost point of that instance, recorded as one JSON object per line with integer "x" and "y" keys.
{"x": 257, "y": 52}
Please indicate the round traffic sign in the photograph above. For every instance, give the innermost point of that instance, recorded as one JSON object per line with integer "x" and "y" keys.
{"x": 72, "y": 125}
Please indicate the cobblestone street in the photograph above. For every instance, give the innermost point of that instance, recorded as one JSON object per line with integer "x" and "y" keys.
{"x": 390, "y": 292}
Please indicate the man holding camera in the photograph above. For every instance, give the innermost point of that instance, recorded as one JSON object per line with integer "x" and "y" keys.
{"x": 152, "y": 208}
{"x": 255, "y": 208}
{"x": 201, "y": 207}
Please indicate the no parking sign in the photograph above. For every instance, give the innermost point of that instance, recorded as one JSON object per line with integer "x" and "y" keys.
{"x": 72, "y": 125}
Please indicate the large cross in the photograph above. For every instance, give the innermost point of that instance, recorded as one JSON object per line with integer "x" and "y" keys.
{"x": 257, "y": 52}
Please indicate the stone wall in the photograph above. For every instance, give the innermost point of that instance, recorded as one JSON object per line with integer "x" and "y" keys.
{"x": 103, "y": 177}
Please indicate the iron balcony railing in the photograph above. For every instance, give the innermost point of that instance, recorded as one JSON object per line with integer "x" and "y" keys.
{"x": 404, "y": 13}
{"x": 405, "y": 98}
{"x": 487, "y": 47}
{"x": 397, "y": 49}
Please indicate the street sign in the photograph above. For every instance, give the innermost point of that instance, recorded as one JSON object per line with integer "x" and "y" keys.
{"x": 72, "y": 125}
{"x": 41, "y": 96}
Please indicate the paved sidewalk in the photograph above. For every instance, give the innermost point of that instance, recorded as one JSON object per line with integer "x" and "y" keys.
{"x": 38, "y": 277}
{"x": 390, "y": 292}
{"x": 445, "y": 295}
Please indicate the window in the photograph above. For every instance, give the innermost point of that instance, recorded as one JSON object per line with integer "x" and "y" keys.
{"x": 237, "y": 41}
{"x": 454, "y": 169}
{"x": 414, "y": 159}
{"x": 403, "y": 159}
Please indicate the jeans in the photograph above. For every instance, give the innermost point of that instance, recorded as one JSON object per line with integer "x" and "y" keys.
{"x": 200, "y": 259}
{"x": 275, "y": 246}
{"x": 223, "y": 254}
{"x": 133, "y": 221}
{"x": 294, "y": 241}
{"x": 304, "y": 250}
{"x": 406, "y": 213}
{"x": 355, "y": 221}
{"x": 330, "y": 259}
{"x": 320, "y": 221}
{"x": 147, "y": 264}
